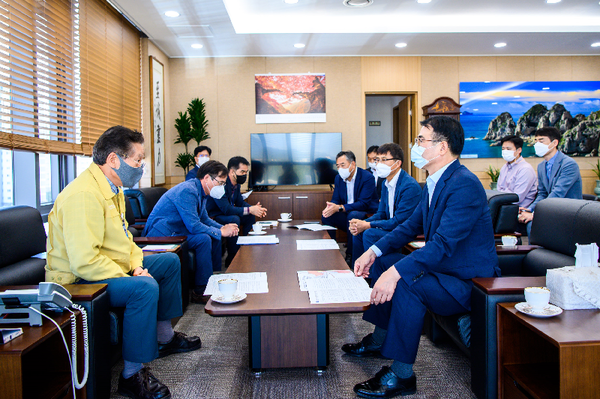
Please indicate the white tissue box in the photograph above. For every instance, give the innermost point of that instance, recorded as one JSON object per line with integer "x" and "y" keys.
{"x": 574, "y": 288}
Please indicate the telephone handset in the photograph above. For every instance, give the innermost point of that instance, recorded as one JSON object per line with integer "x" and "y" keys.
{"x": 54, "y": 295}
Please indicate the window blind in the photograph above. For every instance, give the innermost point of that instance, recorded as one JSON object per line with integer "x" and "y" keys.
{"x": 110, "y": 71}
{"x": 36, "y": 76}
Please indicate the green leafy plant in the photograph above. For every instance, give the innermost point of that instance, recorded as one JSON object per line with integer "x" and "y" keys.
{"x": 191, "y": 125}
{"x": 185, "y": 161}
{"x": 596, "y": 169}
{"x": 184, "y": 130}
{"x": 198, "y": 122}
{"x": 493, "y": 173}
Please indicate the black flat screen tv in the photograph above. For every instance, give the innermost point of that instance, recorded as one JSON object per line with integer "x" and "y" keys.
{"x": 293, "y": 158}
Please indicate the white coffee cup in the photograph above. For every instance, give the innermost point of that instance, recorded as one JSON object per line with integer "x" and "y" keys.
{"x": 228, "y": 287}
{"x": 537, "y": 297}
{"x": 509, "y": 240}
{"x": 257, "y": 228}
{"x": 285, "y": 216}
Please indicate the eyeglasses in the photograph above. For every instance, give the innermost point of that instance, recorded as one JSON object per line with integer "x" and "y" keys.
{"x": 377, "y": 160}
{"x": 139, "y": 162}
{"x": 421, "y": 140}
{"x": 221, "y": 182}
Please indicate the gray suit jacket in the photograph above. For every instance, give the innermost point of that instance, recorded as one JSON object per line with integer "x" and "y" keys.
{"x": 565, "y": 180}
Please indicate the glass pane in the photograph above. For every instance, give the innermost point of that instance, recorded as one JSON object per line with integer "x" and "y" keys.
{"x": 45, "y": 179}
{"x": 82, "y": 164}
{"x": 6, "y": 178}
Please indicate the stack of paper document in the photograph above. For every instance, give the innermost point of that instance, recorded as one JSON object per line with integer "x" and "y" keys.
{"x": 258, "y": 240}
{"x": 310, "y": 245}
{"x": 417, "y": 244}
{"x": 248, "y": 283}
{"x": 267, "y": 223}
{"x": 160, "y": 247}
{"x": 246, "y": 195}
{"x": 312, "y": 227}
{"x": 334, "y": 287}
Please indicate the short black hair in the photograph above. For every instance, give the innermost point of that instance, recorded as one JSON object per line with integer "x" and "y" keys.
{"x": 236, "y": 161}
{"x": 551, "y": 132}
{"x": 348, "y": 154}
{"x": 211, "y": 168}
{"x": 372, "y": 148}
{"x": 516, "y": 140}
{"x": 202, "y": 148}
{"x": 394, "y": 149}
{"x": 447, "y": 129}
{"x": 117, "y": 139}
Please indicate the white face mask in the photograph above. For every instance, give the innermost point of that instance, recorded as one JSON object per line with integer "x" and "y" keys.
{"x": 372, "y": 165}
{"x": 416, "y": 155}
{"x": 344, "y": 173}
{"x": 541, "y": 149}
{"x": 508, "y": 155}
{"x": 217, "y": 191}
{"x": 202, "y": 160}
{"x": 383, "y": 170}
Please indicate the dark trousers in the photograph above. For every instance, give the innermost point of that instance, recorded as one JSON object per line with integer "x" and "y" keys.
{"x": 244, "y": 223}
{"x": 363, "y": 241}
{"x": 146, "y": 300}
{"x": 208, "y": 256}
{"x": 403, "y": 316}
{"x": 340, "y": 220}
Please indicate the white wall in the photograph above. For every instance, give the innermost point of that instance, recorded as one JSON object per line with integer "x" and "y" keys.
{"x": 379, "y": 108}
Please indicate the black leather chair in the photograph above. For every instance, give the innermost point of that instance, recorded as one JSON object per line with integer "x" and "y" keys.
{"x": 143, "y": 200}
{"x": 504, "y": 211}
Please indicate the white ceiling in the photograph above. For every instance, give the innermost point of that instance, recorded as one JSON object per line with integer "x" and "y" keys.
{"x": 328, "y": 28}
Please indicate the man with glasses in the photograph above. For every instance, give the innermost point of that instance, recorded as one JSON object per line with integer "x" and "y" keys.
{"x": 454, "y": 217}
{"x": 371, "y": 155}
{"x": 181, "y": 211}
{"x": 353, "y": 197}
{"x": 88, "y": 242}
{"x": 201, "y": 155}
{"x": 400, "y": 195}
{"x": 231, "y": 207}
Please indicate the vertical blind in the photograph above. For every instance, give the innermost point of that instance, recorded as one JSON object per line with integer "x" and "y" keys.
{"x": 36, "y": 76}
{"x": 110, "y": 71}
{"x": 69, "y": 69}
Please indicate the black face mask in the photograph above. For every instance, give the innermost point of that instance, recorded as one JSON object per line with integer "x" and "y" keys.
{"x": 240, "y": 179}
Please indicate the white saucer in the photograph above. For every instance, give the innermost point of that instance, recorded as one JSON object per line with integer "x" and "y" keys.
{"x": 284, "y": 220}
{"x": 548, "y": 311}
{"x": 237, "y": 297}
{"x": 254, "y": 233}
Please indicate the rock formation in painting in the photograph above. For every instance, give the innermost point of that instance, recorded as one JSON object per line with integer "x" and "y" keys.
{"x": 502, "y": 125}
{"x": 528, "y": 123}
{"x": 584, "y": 138}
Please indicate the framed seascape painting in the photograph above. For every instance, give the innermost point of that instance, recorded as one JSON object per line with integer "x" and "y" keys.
{"x": 492, "y": 110}
{"x": 290, "y": 98}
{"x": 157, "y": 120}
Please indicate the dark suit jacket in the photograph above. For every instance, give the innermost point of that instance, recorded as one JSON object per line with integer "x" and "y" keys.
{"x": 181, "y": 211}
{"x": 406, "y": 198}
{"x": 379, "y": 185}
{"x": 565, "y": 180}
{"x": 192, "y": 173}
{"x": 458, "y": 233}
{"x": 365, "y": 197}
{"x": 229, "y": 204}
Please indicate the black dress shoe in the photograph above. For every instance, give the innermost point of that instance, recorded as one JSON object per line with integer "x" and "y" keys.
{"x": 365, "y": 348}
{"x": 199, "y": 298}
{"x": 386, "y": 384}
{"x": 143, "y": 385}
{"x": 349, "y": 259}
{"x": 178, "y": 344}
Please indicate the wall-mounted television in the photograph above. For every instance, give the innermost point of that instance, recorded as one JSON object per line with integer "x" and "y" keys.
{"x": 293, "y": 158}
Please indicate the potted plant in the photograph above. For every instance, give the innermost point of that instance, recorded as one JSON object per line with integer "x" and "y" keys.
{"x": 191, "y": 124}
{"x": 596, "y": 169}
{"x": 493, "y": 173}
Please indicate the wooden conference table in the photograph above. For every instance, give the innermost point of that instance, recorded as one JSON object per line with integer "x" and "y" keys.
{"x": 285, "y": 330}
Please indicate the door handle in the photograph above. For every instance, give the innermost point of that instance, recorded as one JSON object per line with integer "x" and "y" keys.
{"x": 302, "y": 197}
{"x": 284, "y": 198}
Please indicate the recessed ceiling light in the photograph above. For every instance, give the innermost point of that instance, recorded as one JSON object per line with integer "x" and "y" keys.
{"x": 400, "y": 45}
{"x": 423, "y": 1}
{"x": 597, "y": 44}
{"x": 494, "y": 103}
{"x": 299, "y": 45}
{"x": 553, "y": 1}
{"x": 545, "y": 88}
{"x": 516, "y": 96}
{"x": 501, "y": 44}
{"x": 357, "y": 3}
{"x": 290, "y": 1}
{"x": 486, "y": 81}
{"x": 172, "y": 14}
{"x": 197, "y": 45}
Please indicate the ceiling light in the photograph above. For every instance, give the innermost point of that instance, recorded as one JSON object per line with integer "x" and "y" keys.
{"x": 423, "y": 1}
{"x": 516, "y": 96}
{"x": 299, "y": 45}
{"x": 357, "y": 3}
{"x": 597, "y": 44}
{"x": 197, "y": 45}
{"x": 553, "y": 1}
{"x": 400, "y": 45}
{"x": 172, "y": 14}
{"x": 494, "y": 103}
{"x": 545, "y": 88}
{"x": 501, "y": 44}
{"x": 290, "y": 1}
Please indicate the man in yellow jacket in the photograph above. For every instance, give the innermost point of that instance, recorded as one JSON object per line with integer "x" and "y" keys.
{"x": 88, "y": 242}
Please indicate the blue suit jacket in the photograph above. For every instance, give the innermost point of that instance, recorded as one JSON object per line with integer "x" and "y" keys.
{"x": 231, "y": 203}
{"x": 458, "y": 233}
{"x": 406, "y": 198}
{"x": 182, "y": 211}
{"x": 365, "y": 197}
{"x": 565, "y": 180}
{"x": 192, "y": 173}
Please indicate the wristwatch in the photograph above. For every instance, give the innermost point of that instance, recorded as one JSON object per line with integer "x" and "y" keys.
{"x": 341, "y": 209}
